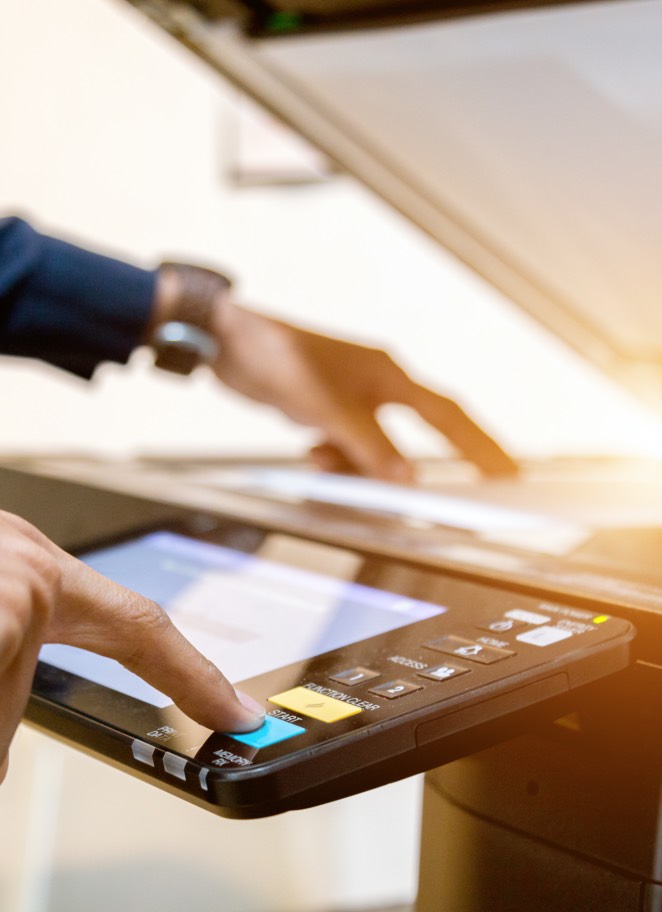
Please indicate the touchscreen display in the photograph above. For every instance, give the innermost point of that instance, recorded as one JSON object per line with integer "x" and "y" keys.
{"x": 247, "y": 614}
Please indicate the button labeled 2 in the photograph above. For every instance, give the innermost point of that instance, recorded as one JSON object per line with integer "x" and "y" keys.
{"x": 393, "y": 689}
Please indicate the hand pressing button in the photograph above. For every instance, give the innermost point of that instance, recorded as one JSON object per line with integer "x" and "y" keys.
{"x": 270, "y": 732}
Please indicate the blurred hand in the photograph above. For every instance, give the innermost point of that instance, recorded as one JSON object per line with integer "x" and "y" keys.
{"x": 338, "y": 387}
{"x": 47, "y": 596}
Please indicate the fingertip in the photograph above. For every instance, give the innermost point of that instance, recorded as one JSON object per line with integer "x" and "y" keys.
{"x": 399, "y": 470}
{"x": 328, "y": 458}
{"x": 255, "y": 713}
{"x": 501, "y": 465}
{"x": 223, "y": 708}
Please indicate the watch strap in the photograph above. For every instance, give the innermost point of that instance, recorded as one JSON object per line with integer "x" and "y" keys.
{"x": 199, "y": 292}
{"x": 187, "y": 339}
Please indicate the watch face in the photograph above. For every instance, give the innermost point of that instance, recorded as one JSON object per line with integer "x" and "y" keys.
{"x": 176, "y": 358}
{"x": 181, "y": 347}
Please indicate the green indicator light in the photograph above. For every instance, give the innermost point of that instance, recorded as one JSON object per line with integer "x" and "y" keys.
{"x": 284, "y": 21}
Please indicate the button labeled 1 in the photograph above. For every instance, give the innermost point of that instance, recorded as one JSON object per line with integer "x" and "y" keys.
{"x": 393, "y": 689}
{"x": 351, "y": 676}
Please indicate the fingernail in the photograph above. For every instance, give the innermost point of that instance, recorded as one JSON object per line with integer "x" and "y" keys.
{"x": 250, "y": 704}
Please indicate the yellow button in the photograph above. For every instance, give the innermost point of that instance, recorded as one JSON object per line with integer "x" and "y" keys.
{"x": 317, "y": 706}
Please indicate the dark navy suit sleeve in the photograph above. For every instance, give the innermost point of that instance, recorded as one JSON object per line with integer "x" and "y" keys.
{"x": 67, "y": 305}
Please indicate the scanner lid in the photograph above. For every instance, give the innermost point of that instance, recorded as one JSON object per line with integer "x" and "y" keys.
{"x": 527, "y": 140}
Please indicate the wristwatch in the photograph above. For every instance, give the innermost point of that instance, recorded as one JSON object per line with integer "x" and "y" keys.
{"x": 187, "y": 340}
{"x": 181, "y": 347}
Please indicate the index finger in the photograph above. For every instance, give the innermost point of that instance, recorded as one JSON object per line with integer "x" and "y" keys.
{"x": 453, "y": 422}
{"x": 104, "y": 617}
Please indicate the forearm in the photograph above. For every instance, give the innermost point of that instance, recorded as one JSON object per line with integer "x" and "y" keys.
{"x": 66, "y": 305}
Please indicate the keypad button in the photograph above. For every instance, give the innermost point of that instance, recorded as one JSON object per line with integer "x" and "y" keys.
{"x": 528, "y": 617}
{"x": 270, "y": 732}
{"x": 443, "y": 672}
{"x": 544, "y": 636}
{"x": 352, "y": 676}
{"x": 502, "y": 625}
{"x": 315, "y": 705}
{"x": 394, "y": 689}
{"x": 469, "y": 650}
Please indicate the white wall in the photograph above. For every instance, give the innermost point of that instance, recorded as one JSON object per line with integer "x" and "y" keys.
{"x": 114, "y": 135}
